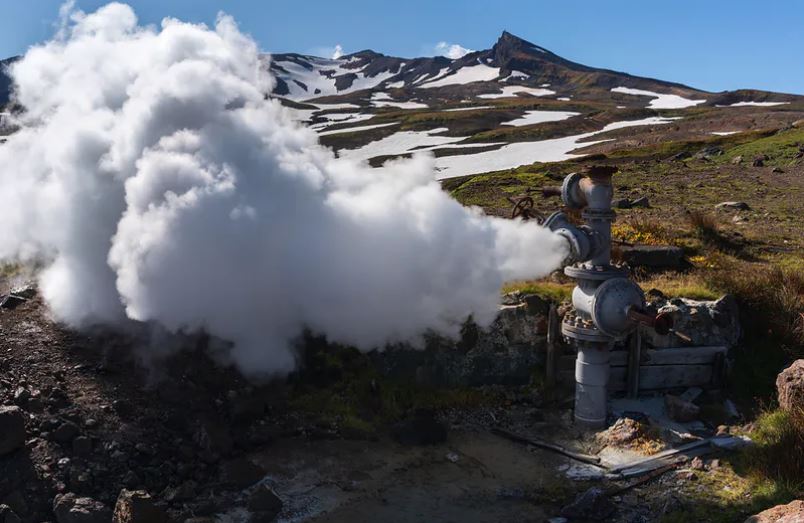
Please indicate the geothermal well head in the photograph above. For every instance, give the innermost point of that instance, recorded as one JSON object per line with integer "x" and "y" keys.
{"x": 606, "y": 304}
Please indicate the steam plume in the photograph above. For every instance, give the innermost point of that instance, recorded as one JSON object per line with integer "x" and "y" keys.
{"x": 161, "y": 185}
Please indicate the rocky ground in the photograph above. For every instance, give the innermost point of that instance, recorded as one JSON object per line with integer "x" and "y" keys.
{"x": 89, "y": 427}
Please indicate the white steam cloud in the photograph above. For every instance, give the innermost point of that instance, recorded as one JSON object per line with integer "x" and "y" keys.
{"x": 337, "y": 53}
{"x": 160, "y": 185}
{"x": 453, "y": 51}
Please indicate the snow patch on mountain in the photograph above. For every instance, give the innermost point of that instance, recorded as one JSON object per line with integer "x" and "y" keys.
{"x": 465, "y": 75}
{"x": 510, "y": 91}
{"x": 318, "y": 77}
{"x": 522, "y": 153}
{"x": 534, "y": 117}
{"x": 399, "y": 143}
{"x": 754, "y": 104}
{"x": 660, "y": 101}
{"x": 357, "y": 129}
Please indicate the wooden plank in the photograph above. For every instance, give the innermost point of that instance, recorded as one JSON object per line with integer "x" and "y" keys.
{"x": 654, "y": 377}
{"x": 673, "y": 356}
{"x": 552, "y": 346}
{"x": 634, "y": 355}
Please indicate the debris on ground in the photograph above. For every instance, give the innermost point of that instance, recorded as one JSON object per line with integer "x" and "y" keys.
{"x": 592, "y": 504}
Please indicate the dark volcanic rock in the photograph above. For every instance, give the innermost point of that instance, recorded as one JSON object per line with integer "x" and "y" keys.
{"x": 68, "y": 508}
{"x": 240, "y": 473}
{"x": 66, "y": 432}
{"x": 265, "y": 500}
{"x": 8, "y": 516}
{"x": 592, "y": 504}
{"x": 12, "y": 429}
{"x": 137, "y": 507}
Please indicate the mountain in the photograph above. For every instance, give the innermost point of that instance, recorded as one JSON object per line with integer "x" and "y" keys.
{"x": 5, "y": 80}
{"x": 511, "y": 105}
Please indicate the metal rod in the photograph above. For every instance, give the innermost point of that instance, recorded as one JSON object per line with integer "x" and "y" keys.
{"x": 585, "y": 458}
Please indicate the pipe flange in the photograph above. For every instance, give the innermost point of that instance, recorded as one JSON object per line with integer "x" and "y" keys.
{"x": 597, "y": 272}
{"x": 611, "y": 303}
{"x": 583, "y": 332}
{"x": 570, "y": 191}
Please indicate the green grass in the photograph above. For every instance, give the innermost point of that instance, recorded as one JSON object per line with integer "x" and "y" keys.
{"x": 551, "y": 291}
{"x": 781, "y": 148}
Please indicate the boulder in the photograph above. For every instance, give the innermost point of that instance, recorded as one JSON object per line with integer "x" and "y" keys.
{"x": 68, "y": 508}
{"x": 759, "y": 161}
{"x": 265, "y": 500}
{"x": 137, "y": 507}
{"x": 12, "y": 429}
{"x": 621, "y": 203}
{"x": 240, "y": 473}
{"x": 8, "y": 516}
{"x": 737, "y": 160}
{"x": 66, "y": 432}
{"x": 793, "y": 512}
{"x": 504, "y": 353}
{"x": 708, "y": 153}
{"x": 593, "y": 504}
{"x": 642, "y": 201}
{"x": 707, "y": 323}
{"x": 653, "y": 256}
{"x": 790, "y": 386}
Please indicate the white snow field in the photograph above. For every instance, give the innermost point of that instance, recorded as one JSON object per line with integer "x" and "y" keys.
{"x": 465, "y": 75}
{"x": 660, "y": 101}
{"x": 321, "y": 78}
{"x": 754, "y": 104}
{"x": 400, "y": 143}
{"x": 384, "y": 100}
{"x": 357, "y": 129}
{"x": 534, "y": 117}
{"x": 510, "y": 91}
{"x": 723, "y": 133}
{"x": 470, "y": 108}
{"x": 522, "y": 153}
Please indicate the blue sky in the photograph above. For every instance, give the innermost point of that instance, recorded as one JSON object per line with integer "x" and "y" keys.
{"x": 712, "y": 45}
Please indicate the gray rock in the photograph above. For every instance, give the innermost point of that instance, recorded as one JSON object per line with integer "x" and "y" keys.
{"x": 12, "y": 429}
{"x": 642, "y": 201}
{"x": 8, "y": 516}
{"x": 680, "y": 410}
{"x": 592, "y": 504}
{"x": 82, "y": 446}
{"x": 790, "y": 386}
{"x": 733, "y": 206}
{"x": 707, "y": 323}
{"x": 66, "y": 432}
{"x": 68, "y": 508}
{"x": 708, "y": 153}
{"x": 622, "y": 203}
{"x": 264, "y": 499}
{"x": 240, "y": 473}
{"x": 137, "y": 507}
{"x": 737, "y": 160}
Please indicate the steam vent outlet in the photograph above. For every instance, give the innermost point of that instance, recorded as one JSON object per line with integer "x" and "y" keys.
{"x": 606, "y": 304}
